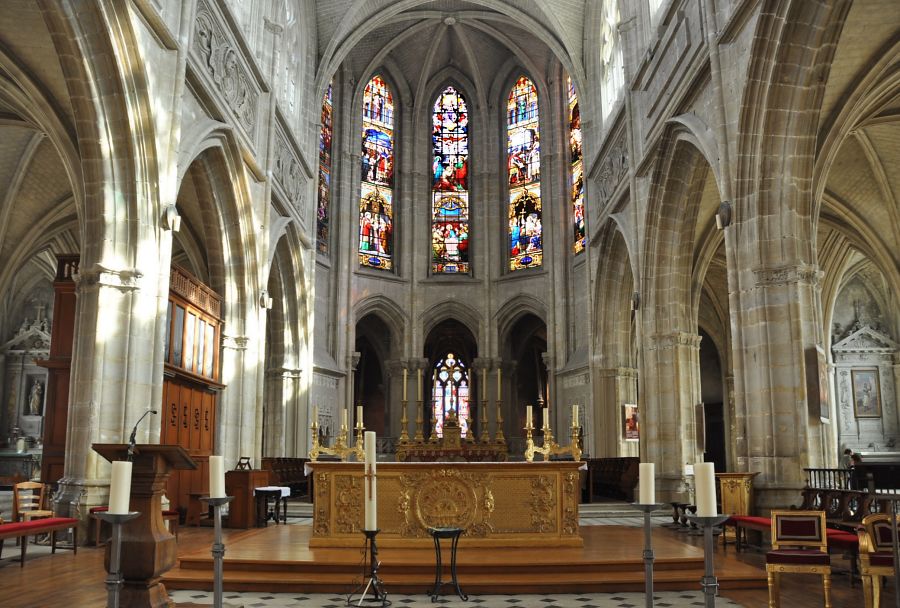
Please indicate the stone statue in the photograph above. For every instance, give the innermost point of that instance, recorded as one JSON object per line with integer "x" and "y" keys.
{"x": 35, "y": 398}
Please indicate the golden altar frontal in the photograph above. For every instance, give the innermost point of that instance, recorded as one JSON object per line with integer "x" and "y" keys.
{"x": 497, "y": 504}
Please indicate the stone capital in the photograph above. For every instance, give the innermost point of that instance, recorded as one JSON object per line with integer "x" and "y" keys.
{"x": 674, "y": 339}
{"x": 482, "y": 363}
{"x": 353, "y": 360}
{"x": 395, "y": 367}
{"x": 783, "y": 275}
{"x": 97, "y": 276}
{"x": 235, "y": 342}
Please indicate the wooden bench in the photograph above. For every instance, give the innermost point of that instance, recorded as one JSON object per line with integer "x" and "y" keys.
{"x": 51, "y": 525}
{"x": 612, "y": 477}
{"x": 288, "y": 472}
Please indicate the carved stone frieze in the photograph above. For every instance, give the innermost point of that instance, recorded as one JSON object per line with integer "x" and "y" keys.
{"x": 288, "y": 170}
{"x": 613, "y": 168}
{"x": 225, "y": 66}
{"x": 801, "y": 273}
{"x": 97, "y": 276}
{"x": 678, "y": 338}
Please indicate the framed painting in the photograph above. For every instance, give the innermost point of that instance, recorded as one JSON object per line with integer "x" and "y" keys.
{"x": 866, "y": 393}
{"x": 631, "y": 428}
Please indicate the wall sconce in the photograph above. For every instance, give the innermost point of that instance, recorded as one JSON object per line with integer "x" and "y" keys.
{"x": 265, "y": 300}
{"x": 171, "y": 219}
{"x": 723, "y": 215}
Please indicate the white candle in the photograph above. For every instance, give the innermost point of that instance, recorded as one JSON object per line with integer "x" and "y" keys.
{"x": 546, "y": 417}
{"x": 419, "y": 384}
{"x": 119, "y": 487}
{"x": 404, "y": 383}
{"x": 344, "y": 418}
{"x": 370, "y": 488}
{"x": 527, "y": 415}
{"x": 647, "y": 477}
{"x": 575, "y": 415}
{"x": 216, "y": 477}
{"x": 499, "y": 384}
{"x": 359, "y": 414}
{"x": 315, "y": 416}
{"x": 484, "y": 384}
{"x": 705, "y": 483}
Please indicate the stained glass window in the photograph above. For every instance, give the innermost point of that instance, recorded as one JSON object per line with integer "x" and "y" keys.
{"x": 577, "y": 173}
{"x": 450, "y": 394}
{"x": 524, "y": 170}
{"x": 450, "y": 184}
{"x": 376, "y": 209}
{"x": 325, "y": 134}
{"x": 612, "y": 66}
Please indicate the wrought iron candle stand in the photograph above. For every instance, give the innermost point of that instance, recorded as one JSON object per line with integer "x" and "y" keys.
{"x": 709, "y": 582}
{"x": 218, "y": 548}
{"x": 341, "y": 447}
{"x": 114, "y": 577}
{"x": 374, "y": 583}
{"x": 549, "y": 446}
{"x": 648, "y": 549}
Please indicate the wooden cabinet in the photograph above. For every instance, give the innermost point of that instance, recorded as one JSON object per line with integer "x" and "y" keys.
{"x": 240, "y": 484}
{"x": 736, "y": 495}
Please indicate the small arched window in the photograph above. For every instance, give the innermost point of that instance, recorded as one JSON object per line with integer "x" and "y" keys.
{"x": 526, "y": 249}
{"x": 450, "y": 394}
{"x": 376, "y": 203}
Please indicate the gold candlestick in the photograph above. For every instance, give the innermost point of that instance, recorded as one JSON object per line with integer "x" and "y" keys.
{"x": 498, "y": 436}
{"x": 485, "y": 423}
{"x": 433, "y": 437}
{"x": 404, "y": 422}
{"x": 550, "y": 447}
{"x": 419, "y": 438}
{"x": 341, "y": 447}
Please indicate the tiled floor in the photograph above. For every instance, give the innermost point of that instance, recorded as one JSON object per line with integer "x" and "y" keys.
{"x": 663, "y": 599}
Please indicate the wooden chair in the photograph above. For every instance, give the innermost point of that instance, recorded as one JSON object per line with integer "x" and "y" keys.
{"x": 876, "y": 555}
{"x": 799, "y": 545}
{"x": 29, "y": 499}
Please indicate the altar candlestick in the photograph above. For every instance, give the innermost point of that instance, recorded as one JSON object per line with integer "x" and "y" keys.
{"x": 499, "y": 384}
{"x": 216, "y": 477}
{"x": 119, "y": 488}
{"x": 404, "y": 383}
{"x": 371, "y": 510}
{"x": 359, "y": 414}
{"x": 527, "y": 415}
{"x": 344, "y": 418}
{"x": 418, "y": 384}
{"x": 315, "y": 416}
{"x": 647, "y": 477}
{"x": 484, "y": 384}
{"x": 575, "y": 415}
{"x": 546, "y": 417}
{"x": 705, "y": 483}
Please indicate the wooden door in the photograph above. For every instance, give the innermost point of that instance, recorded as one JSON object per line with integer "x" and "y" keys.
{"x": 191, "y": 382}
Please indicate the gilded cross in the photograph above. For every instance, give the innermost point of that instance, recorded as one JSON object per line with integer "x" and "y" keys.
{"x": 370, "y": 477}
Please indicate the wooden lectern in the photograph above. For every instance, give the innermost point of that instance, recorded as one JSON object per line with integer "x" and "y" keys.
{"x": 148, "y": 550}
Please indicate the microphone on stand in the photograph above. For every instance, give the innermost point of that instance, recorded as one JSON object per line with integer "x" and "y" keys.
{"x": 132, "y": 440}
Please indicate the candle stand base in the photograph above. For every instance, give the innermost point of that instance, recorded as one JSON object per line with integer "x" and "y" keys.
{"x": 114, "y": 578}
{"x": 648, "y": 550}
{"x": 218, "y": 550}
{"x": 709, "y": 582}
{"x": 373, "y": 583}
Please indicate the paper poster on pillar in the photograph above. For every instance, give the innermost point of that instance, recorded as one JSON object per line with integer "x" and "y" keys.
{"x": 631, "y": 430}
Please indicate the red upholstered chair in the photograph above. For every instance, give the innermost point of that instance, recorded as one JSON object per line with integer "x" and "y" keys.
{"x": 876, "y": 555}
{"x": 799, "y": 545}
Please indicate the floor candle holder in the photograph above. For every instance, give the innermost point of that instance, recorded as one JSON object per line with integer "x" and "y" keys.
{"x": 218, "y": 548}
{"x": 114, "y": 577}
{"x": 647, "y": 509}
{"x": 709, "y": 582}
{"x": 373, "y": 582}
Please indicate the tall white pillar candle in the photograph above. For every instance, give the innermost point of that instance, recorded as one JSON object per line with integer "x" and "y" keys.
{"x": 575, "y": 414}
{"x": 546, "y": 417}
{"x": 499, "y": 384}
{"x": 484, "y": 383}
{"x": 527, "y": 415}
{"x": 404, "y": 383}
{"x": 216, "y": 477}
{"x": 419, "y": 384}
{"x": 344, "y": 418}
{"x": 370, "y": 486}
{"x": 705, "y": 482}
{"x": 119, "y": 487}
{"x": 315, "y": 417}
{"x": 359, "y": 413}
{"x": 647, "y": 477}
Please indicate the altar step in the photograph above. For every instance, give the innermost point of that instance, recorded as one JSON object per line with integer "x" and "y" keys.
{"x": 278, "y": 559}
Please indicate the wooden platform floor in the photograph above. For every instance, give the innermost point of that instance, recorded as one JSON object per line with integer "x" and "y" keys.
{"x": 278, "y": 559}
{"x": 71, "y": 580}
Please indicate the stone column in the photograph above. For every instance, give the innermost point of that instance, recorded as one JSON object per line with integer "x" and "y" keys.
{"x": 393, "y": 399}
{"x": 613, "y": 387}
{"x": 671, "y": 390}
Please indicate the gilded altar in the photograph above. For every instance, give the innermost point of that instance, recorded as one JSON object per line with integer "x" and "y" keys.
{"x": 512, "y": 504}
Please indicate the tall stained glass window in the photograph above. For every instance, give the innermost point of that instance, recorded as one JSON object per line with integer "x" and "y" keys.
{"x": 450, "y": 394}
{"x": 325, "y": 134}
{"x": 376, "y": 209}
{"x": 577, "y": 173}
{"x": 612, "y": 65}
{"x": 450, "y": 184}
{"x": 524, "y": 170}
